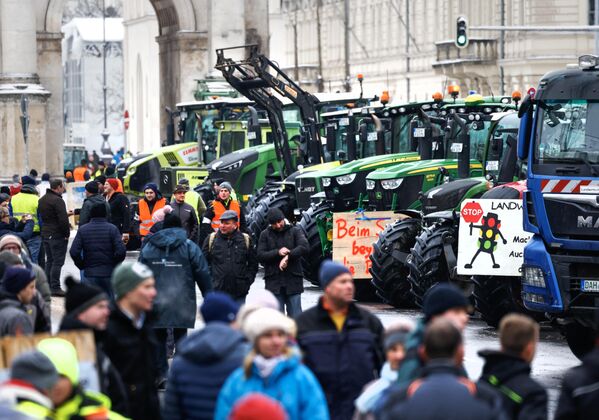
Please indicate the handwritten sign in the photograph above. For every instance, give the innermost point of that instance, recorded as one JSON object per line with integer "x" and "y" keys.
{"x": 353, "y": 236}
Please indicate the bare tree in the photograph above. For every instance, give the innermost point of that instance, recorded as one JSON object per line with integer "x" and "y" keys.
{"x": 91, "y": 8}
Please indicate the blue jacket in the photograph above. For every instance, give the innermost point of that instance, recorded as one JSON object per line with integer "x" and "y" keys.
{"x": 13, "y": 229}
{"x": 290, "y": 383}
{"x": 203, "y": 362}
{"x": 178, "y": 264}
{"x": 97, "y": 248}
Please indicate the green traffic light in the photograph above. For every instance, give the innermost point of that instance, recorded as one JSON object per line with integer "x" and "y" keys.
{"x": 462, "y": 40}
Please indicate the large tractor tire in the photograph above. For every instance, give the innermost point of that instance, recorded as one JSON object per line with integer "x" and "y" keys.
{"x": 311, "y": 262}
{"x": 428, "y": 265}
{"x": 260, "y": 195}
{"x": 364, "y": 291}
{"x": 389, "y": 266}
{"x": 256, "y": 219}
{"x": 580, "y": 338}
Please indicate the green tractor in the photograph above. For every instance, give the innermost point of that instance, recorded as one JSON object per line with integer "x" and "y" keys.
{"x": 485, "y": 136}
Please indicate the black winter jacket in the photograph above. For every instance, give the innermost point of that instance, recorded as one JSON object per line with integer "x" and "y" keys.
{"x": 98, "y": 248}
{"x": 205, "y": 223}
{"x": 579, "y": 398}
{"x": 343, "y": 362}
{"x": 86, "y": 208}
{"x": 120, "y": 212}
{"x": 270, "y": 242}
{"x": 523, "y": 397}
{"x": 232, "y": 263}
{"x": 189, "y": 219}
{"x": 54, "y": 217}
{"x": 132, "y": 351}
{"x": 22, "y": 230}
{"x": 443, "y": 393}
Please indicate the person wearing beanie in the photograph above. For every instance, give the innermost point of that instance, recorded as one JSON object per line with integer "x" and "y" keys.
{"x": 27, "y": 180}
{"x": 25, "y": 205}
{"x": 98, "y": 248}
{"x": 120, "y": 209}
{"x": 218, "y": 206}
{"x": 194, "y": 199}
{"x": 343, "y": 328}
{"x": 93, "y": 197}
{"x": 178, "y": 265}
{"x": 185, "y": 212}
{"x": 100, "y": 180}
{"x": 204, "y": 360}
{"x": 4, "y": 200}
{"x": 258, "y": 406}
{"x": 87, "y": 307}
{"x": 130, "y": 342}
{"x": 280, "y": 249}
{"x": 17, "y": 316}
{"x": 273, "y": 368}
{"x": 256, "y": 299}
{"x": 152, "y": 202}
{"x": 232, "y": 258}
{"x": 33, "y": 377}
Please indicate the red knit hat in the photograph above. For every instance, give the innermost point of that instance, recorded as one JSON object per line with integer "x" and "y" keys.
{"x": 113, "y": 183}
{"x": 257, "y": 407}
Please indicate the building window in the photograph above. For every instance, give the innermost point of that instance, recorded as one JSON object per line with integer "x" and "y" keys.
{"x": 591, "y": 12}
{"x": 74, "y": 91}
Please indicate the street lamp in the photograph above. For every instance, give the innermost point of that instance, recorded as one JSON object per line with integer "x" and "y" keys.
{"x": 105, "y": 133}
{"x": 25, "y": 123}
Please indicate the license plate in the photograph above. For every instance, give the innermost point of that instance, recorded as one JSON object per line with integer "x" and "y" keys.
{"x": 419, "y": 132}
{"x": 589, "y": 286}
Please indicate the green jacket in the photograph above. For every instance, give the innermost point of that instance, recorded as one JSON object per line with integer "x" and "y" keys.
{"x": 26, "y": 202}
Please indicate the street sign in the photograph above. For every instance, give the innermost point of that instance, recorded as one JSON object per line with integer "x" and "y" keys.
{"x": 471, "y": 211}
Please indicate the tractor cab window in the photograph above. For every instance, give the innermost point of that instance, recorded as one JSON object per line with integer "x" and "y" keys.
{"x": 478, "y": 139}
{"x": 231, "y": 141}
{"x": 401, "y": 133}
{"x": 367, "y": 147}
{"x": 341, "y": 135}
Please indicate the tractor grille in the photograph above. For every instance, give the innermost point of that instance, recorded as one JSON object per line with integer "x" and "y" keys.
{"x": 304, "y": 188}
{"x": 571, "y": 270}
{"x": 171, "y": 158}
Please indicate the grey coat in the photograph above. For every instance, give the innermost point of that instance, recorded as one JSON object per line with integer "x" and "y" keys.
{"x": 86, "y": 208}
{"x": 15, "y": 318}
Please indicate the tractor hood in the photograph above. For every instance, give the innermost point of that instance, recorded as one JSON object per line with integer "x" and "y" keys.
{"x": 418, "y": 168}
{"x": 235, "y": 159}
{"x": 368, "y": 164}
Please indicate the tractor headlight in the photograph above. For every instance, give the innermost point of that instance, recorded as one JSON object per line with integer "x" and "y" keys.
{"x": 391, "y": 184}
{"x": 326, "y": 182}
{"x": 346, "y": 179}
{"x": 370, "y": 184}
{"x": 232, "y": 166}
{"x": 533, "y": 276}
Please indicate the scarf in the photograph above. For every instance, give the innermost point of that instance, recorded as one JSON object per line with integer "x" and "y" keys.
{"x": 371, "y": 395}
{"x": 266, "y": 366}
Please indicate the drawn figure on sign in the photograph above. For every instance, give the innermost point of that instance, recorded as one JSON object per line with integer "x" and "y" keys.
{"x": 489, "y": 234}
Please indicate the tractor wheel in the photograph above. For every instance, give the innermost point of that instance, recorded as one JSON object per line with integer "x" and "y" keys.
{"x": 260, "y": 195}
{"x": 308, "y": 224}
{"x": 256, "y": 219}
{"x": 494, "y": 297}
{"x": 427, "y": 264}
{"x": 580, "y": 338}
{"x": 389, "y": 272}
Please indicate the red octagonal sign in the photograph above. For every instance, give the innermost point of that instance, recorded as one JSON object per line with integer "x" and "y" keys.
{"x": 472, "y": 212}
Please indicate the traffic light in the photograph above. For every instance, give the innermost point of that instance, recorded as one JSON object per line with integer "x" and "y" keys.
{"x": 461, "y": 35}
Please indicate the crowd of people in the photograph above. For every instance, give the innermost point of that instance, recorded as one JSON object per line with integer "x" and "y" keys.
{"x": 259, "y": 354}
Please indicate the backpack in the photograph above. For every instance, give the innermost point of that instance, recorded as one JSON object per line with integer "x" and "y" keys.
{"x": 246, "y": 238}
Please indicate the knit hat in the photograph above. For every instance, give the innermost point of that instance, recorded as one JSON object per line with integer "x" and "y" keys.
{"x": 128, "y": 276}
{"x": 10, "y": 239}
{"x": 9, "y": 259}
{"x": 4, "y": 197}
{"x": 225, "y": 185}
{"x": 113, "y": 183}
{"x": 229, "y": 215}
{"x": 442, "y": 297}
{"x": 153, "y": 187}
{"x": 266, "y": 319}
{"x": 172, "y": 221}
{"x": 255, "y": 406}
{"x": 63, "y": 356}
{"x": 255, "y": 300}
{"x": 16, "y": 279}
{"x": 274, "y": 215}
{"x": 98, "y": 210}
{"x": 102, "y": 179}
{"x": 80, "y": 297}
{"x": 160, "y": 214}
{"x": 35, "y": 368}
{"x": 92, "y": 187}
{"x": 329, "y": 270}
{"x": 27, "y": 180}
{"x": 110, "y": 170}
{"x": 219, "y": 306}
{"x": 45, "y": 176}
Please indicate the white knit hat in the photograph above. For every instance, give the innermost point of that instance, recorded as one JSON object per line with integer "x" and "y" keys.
{"x": 266, "y": 319}
{"x": 256, "y": 299}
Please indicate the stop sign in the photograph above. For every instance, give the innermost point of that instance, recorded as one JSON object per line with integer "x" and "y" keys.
{"x": 472, "y": 212}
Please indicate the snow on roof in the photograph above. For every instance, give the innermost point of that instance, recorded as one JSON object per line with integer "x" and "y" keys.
{"x": 91, "y": 29}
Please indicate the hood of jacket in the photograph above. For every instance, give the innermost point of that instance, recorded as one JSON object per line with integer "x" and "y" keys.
{"x": 8, "y": 299}
{"x": 29, "y": 189}
{"x": 96, "y": 198}
{"x": 503, "y": 365}
{"x": 213, "y": 343}
{"x": 168, "y": 238}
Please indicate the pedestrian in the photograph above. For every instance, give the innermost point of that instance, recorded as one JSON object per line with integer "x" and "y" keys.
{"x": 258, "y": 406}
{"x": 342, "y": 343}
{"x": 222, "y": 203}
{"x": 80, "y": 171}
{"x": 194, "y": 199}
{"x": 33, "y": 379}
{"x": 71, "y": 400}
{"x": 93, "y": 197}
{"x": 16, "y": 293}
{"x": 55, "y": 233}
{"x": 44, "y": 185}
{"x": 256, "y": 299}
{"x": 15, "y": 187}
{"x": 178, "y": 265}
{"x": 130, "y": 343}
{"x": 87, "y": 307}
{"x": 280, "y": 249}
{"x": 69, "y": 176}
{"x": 5, "y": 200}
{"x": 101, "y": 180}
{"x": 23, "y": 228}
{"x": 97, "y": 249}
{"x": 33, "y": 174}
{"x": 26, "y": 202}
{"x": 185, "y": 212}
{"x": 579, "y": 397}
{"x": 441, "y": 392}
{"x": 146, "y": 207}
{"x": 508, "y": 370}
{"x": 100, "y": 169}
{"x": 231, "y": 257}
{"x": 120, "y": 209}
{"x": 395, "y": 352}
{"x": 204, "y": 360}
{"x": 110, "y": 173}
{"x": 273, "y": 368}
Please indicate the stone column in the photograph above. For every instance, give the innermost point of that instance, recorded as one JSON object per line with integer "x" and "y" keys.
{"x": 17, "y": 37}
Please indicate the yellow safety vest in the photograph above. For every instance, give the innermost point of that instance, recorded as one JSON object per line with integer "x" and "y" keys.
{"x": 23, "y": 204}
{"x": 34, "y": 410}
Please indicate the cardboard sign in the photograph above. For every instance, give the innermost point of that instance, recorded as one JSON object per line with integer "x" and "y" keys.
{"x": 491, "y": 241}
{"x": 353, "y": 236}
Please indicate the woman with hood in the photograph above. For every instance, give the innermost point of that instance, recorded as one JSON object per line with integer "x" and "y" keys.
{"x": 147, "y": 206}
{"x": 273, "y": 368}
